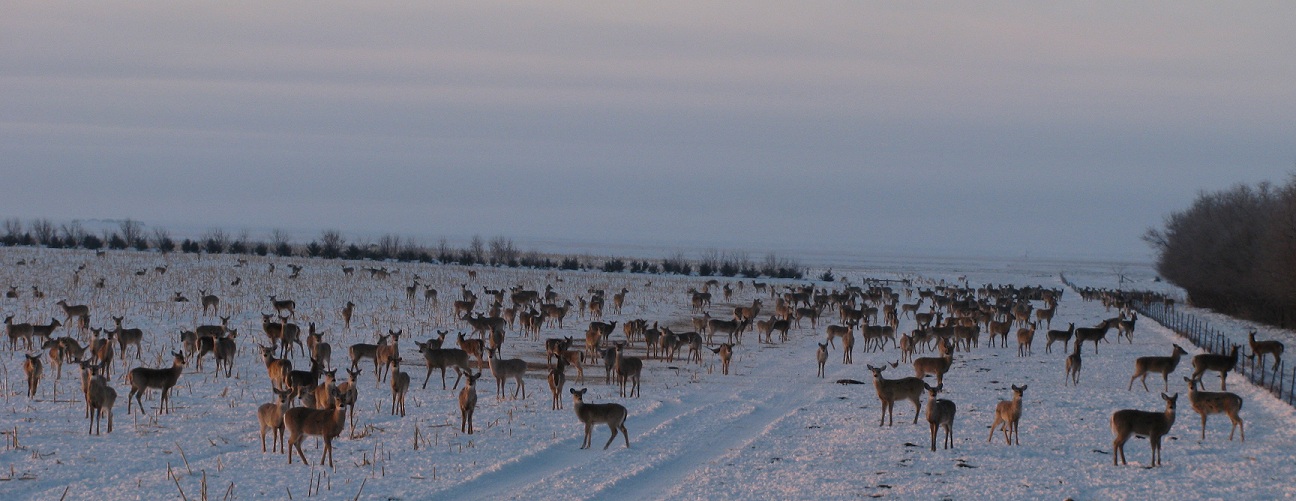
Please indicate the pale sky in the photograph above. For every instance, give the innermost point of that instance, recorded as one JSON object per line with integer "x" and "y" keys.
{"x": 994, "y": 128}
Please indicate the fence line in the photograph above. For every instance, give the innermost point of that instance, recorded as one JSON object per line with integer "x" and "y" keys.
{"x": 1278, "y": 380}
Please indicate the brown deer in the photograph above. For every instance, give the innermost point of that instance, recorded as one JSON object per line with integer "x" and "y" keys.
{"x": 143, "y": 378}
{"x": 100, "y": 396}
{"x": 1212, "y": 362}
{"x": 271, "y": 417}
{"x": 441, "y": 358}
{"x": 276, "y": 368}
{"x": 1073, "y": 363}
{"x": 361, "y": 351}
{"x": 400, "y": 382}
{"x": 325, "y": 423}
{"x": 557, "y": 378}
{"x": 940, "y": 414}
{"x": 1095, "y": 334}
{"x": 468, "y": 403}
{"x": 1063, "y": 336}
{"x": 821, "y": 356}
{"x": 1154, "y": 425}
{"x": 1008, "y": 414}
{"x": 891, "y": 390}
{"x": 614, "y": 415}
{"x": 346, "y": 315}
{"x": 628, "y": 369}
{"x": 474, "y": 348}
{"x": 513, "y": 368}
{"x": 1162, "y": 365}
{"x": 725, "y": 350}
{"x": 1206, "y": 403}
{"x": 32, "y": 367}
{"x": 1025, "y": 337}
{"x": 385, "y": 353}
{"x": 281, "y": 306}
{"x": 1262, "y": 348}
{"x": 209, "y": 301}
{"x": 937, "y": 366}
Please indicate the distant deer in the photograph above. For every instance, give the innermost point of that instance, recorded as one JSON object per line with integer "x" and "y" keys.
{"x": 628, "y": 370}
{"x": 1262, "y": 348}
{"x": 614, "y": 415}
{"x": 557, "y": 378}
{"x": 79, "y": 311}
{"x": 891, "y": 390}
{"x": 1073, "y": 363}
{"x": 400, "y": 382}
{"x": 101, "y": 397}
{"x": 1063, "y": 336}
{"x": 143, "y": 378}
{"x": 1008, "y": 413}
{"x": 32, "y": 367}
{"x": 281, "y": 306}
{"x": 940, "y": 414}
{"x": 1153, "y": 425}
{"x": 346, "y": 315}
{"x": 1025, "y": 337}
{"x": 1162, "y": 365}
{"x": 821, "y": 356}
{"x": 1212, "y": 362}
{"x": 209, "y": 301}
{"x": 1206, "y": 403}
{"x": 468, "y": 403}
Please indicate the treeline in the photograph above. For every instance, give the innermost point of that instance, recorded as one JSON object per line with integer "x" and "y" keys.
{"x": 331, "y": 244}
{"x": 1234, "y": 251}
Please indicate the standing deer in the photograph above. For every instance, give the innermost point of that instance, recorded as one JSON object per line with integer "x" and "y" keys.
{"x": 821, "y": 356}
{"x": 1008, "y": 413}
{"x": 1262, "y": 348}
{"x": 101, "y": 396}
{"x": 400, "y": 382}
{"x": 346, "y": 315}
{"x": 32, "y": 367}
{"x": 614, "y": 415}
{"x": 271, "y": 417}
{"x": 725, "y": 351}
{"x": 209, "y": 301}
{"x": 1025, "y": 337}
{"x": 628, "y": 369}
{"x": 557, "y": 378}
{"x": 1162, "y": 365}
{"x": 937, "y": 366}
{"x": 940, "y": 414}
{"x": 143, "y": 378}
{"x": 441, "y": 358}
{"x": 325, "y": 423}
{"x": 512, "y": 368}
{"x": 1154, "y": 425}
{"x": 1063, "y": 336}
{"x": 287, "y": 305}
{"x": 1212, "y": 362}
{"x": 468, "y": 403}
{"x": 1206, "y": 403}
{"x": 1073, "y": 367}
{"x": 891, "y": 390}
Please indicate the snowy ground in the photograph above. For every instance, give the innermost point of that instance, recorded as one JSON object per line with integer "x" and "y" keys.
{"x": 771, "y": 429}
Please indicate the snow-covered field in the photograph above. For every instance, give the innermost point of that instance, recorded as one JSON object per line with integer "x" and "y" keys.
{"x": 769, "y": 430}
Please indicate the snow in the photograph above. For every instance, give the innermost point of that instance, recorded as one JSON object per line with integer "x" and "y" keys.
{"x": 769, "y": 430}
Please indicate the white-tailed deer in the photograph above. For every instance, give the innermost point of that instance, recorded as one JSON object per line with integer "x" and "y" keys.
{"x": 32, "y": 367}
{"x": 468, "y": 403}
{"x": 1063, "y": 336}
{"x": 1045, "y": 315}
{"x": 1154, "y": 425}
{"x": 937, "y": 366}
{"x": 361, "y": 351}
{"x": 442, "y": 358}
{"x": 557, "y": 378}
{"x": 1125, "y": 327}
{"x": 891, "y": 390}
{"x": 324, "y": 423}
{"x": 101, "y": 350}
{"x": 474, "y": 348}
{"x": 837, "y": 331}
{"x": 209, "y": 301}
{"x": 1025, "y": 337}
{"x": 1008, "y": 413}
{"x": 346, "y": 315}
{"x": 45, "y": 331}
{"x": 628, "y": 370}
{"x": 1073, "y": 363}
{"x": 271, "y": 417}
{"x": 100, "y": 396}
{"x": 143, "y": 378}
{"x": 1206, "y": 403}
{"x": 940, "y": 414}
{"x": 513, "y": 368}
{"x": 281, "y": 306}
{"x": 21, "y": 331}
{"x": 1162, "y": 365}
{"x": 1095, "y": 334}
{"x": 1260, "y": 348}
{"x": 348, "y": 393}
{"x": 79, "y": 311}
{"x": 613, "y": 415}
{"x": 725, "y": 351}
{"x": 276, "y": 368}
{"x": 400, "y": 382}
{"x": 554, "y": 346}
{"x": 385, "y": 353}
{"x": 821, "y": 356}
{"x": 1212, "y": 362}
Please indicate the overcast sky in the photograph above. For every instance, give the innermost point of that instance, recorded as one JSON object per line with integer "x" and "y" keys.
{"x": 994, "y": 128}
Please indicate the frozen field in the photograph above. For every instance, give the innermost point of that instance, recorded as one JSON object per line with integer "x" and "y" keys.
{"x": 769, "y": 430}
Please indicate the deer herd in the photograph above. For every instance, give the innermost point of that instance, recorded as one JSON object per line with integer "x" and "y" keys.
{"x": 308, "y": 399}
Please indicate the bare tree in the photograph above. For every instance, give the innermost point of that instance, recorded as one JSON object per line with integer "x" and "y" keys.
{"x": 477, "y": 248}
{"x": 502, "y": 250}
{"x": 331, "y": 243}
{"x": 131, "y": 230}
{"x": 43, "y": 230}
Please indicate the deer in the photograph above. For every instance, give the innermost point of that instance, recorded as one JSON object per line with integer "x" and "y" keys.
{"x": 1212, "y": 362}
{"x": 45, "y": 331}
{"x": 385, "y": 353}
{"x": 468, "y": 403}
{"x": 725, "y": 350}
{"x": 554, "y": 346}
{"x": 442, "y": 358}
{"x": 271, "y": 417}
{"x": 1008, "y": 414}
{"x": 318, "y": 396}
{"x": 838, "y": 331}
{"x": 474, "y": 348}
{"x": 281, "y": 306}
{"x": 1206, "y": 403}
{"x": 101, "y": 350}
{"x": 613, "y": 415}
{"x": 143, "y": 378}
{"x": 937, "y": 366}
{"x": 821, "y": 356}
{"x": 940, "y": 414}
{"x": 290, "y": 334}
{"x": 325, "y": 423}
{"x": 501, "y": 369}
{"x": 80, "y": 311}
{"x": 346, "y": 315}
{"x": 628, "y": 369}
{"x": 349, "y": 394}
{"x": 100, "y": 396}
{"x": 1095, "y": 334}
{"x": 1073, "y": 362}
{"x": 891, "y": 390}
{"x": 1045, "y": 315}
{"x": 1057, "y": 335}
{"x": 1125, "y": 327}
{"x": 303, "y": 381}
{"x": 1025, "y": 337}
{"x": 1258, "y": 348}
{"x": 209, "y": 302}
{"x": 277, "y": 368}
{"x": 400, "y": 382}
{"x": 361, "y": 351}
{"x": 1154, "y": 425}
{"x": 317, "y": 347}
{"x": 21, "y": 331}
{"x": 1162, "y": 365}
{"x": 557, "y": 378}
{"x": 32, "y": 367}
{"x": 729, "y": 327}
